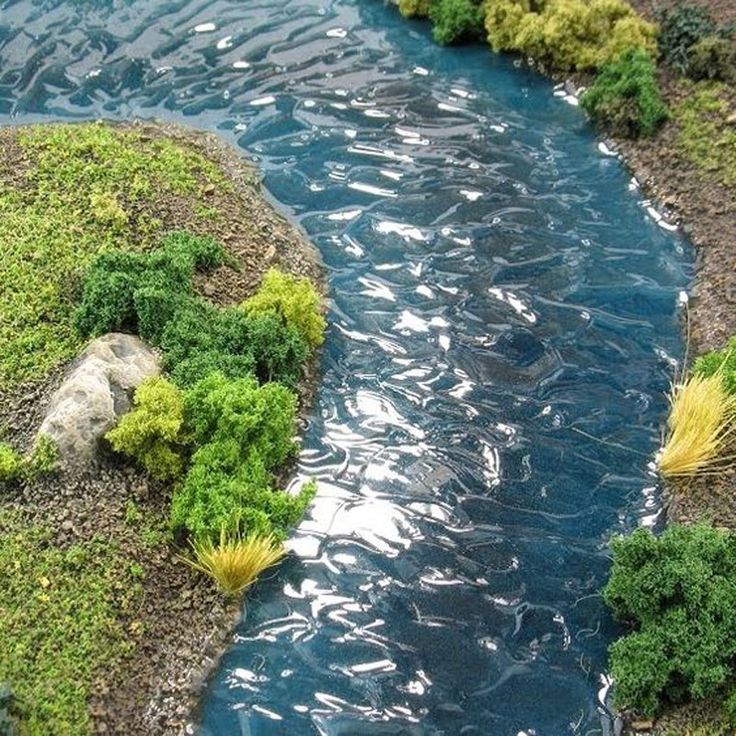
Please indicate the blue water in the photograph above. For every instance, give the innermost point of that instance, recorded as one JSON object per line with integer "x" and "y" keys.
{"x": 504, "y": 323}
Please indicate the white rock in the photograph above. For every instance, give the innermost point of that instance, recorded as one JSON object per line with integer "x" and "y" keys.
{"x": 96, "y": 391}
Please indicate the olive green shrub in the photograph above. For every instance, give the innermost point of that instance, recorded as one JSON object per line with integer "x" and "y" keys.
{"x": 568, "y": 34}
{"x": 679, "y": 592}
{"x": 415, "y": 8}
{"x": 454, "y": 21}
{"x": 153, "y": 432}
{"x": 41, "y": 460}
{"x": 295, "y": 300}
{"x": 625, "y": 99}
{"x": 712, "y": 58}
{"x": 244, "y": 431}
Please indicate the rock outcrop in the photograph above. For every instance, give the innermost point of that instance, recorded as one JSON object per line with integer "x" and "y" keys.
{"x": 96, "y": 391}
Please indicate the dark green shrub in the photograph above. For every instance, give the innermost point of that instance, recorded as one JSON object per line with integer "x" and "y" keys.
{"x": 9, "y": 711}
{"x": 568, "y": 34}
{"x": 456, "y": 20}
{"x": 153, "y": 432}
{"x": 712, "y": 58}
{"x": 244, "y": 432}
{"x": 679, "y": 591}
{"x": 162, "y": 276}
{"x": 679, "y": 29}
{"x": 723, "y": 360}
{"x": 295, "y": 300}
{"x": 625, "y": 98}
{"x": 201, "y": 339}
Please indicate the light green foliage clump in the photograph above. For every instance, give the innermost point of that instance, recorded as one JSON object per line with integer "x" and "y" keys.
{"x": 244, "y": 432}
{"x": 713, "y": 58}
{"x": 153, "y": 432}
{"x": 456, "y": 20}
{"x": 79, "y": 191}
{"x": 706, "y": 138}
{"x": 679, "y": 590}
{"x": 625, "y": 99}
{"x": 568, "y": 34}
{"x": 140, "y": 292}
{"x": 59, "y": 613}
{"x": 293, "y": 299}
{"x": 41, "y": 460}
{"x": 723, "y": 361}
{"x": 415, "y": 8}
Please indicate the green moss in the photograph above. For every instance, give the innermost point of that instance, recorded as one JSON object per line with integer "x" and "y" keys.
{"x": 80, "y": 190}
{"x": 625, "y": 99}
{"x": 568, "y": 34}
{"x": 41, "y": 460}
{"x": 59, "y": 623}
{"x": 706, "y": 139}
{"x": 719, "y": 360}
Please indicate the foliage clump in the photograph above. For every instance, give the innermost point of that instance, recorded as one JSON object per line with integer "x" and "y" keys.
{"x": 140, "y": 292}
{"x": 244, "y": 432}
{"x": 454, "y": 21}
{"x": 680, "y": 28}
{"x": 415, "y": 8}
{"x": 568, "y": 34}
{"x": 679, "y": 591}
{"x": 153, "y": 432}
{"x": 712, "y": 58}
{"x": 706, "y": 138}
{"x": 719, "y": 361}
{"x": 293, "y": 299}
{"x": 625, "y": 99}
{"x": 41, "y": 460}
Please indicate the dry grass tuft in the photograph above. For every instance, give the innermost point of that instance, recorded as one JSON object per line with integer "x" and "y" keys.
{"x": 235, "y": 562}
{"x": 698, "y": 428}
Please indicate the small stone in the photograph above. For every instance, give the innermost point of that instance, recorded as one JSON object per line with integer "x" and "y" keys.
{"x": 731, "y": 119}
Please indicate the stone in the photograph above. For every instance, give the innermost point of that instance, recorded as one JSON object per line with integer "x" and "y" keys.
{"x": 731, "y": 119}
{"x": 97, "y": 389}
{"x": 642, "y": 725}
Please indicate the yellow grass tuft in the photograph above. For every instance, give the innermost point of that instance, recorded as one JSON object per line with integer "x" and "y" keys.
{"x": 698, "y": 428}
{"x": 235, "y": 562}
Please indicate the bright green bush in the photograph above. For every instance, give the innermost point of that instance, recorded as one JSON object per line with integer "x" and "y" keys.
{"x": 244, "y": 432}
{"x": 153, "y": 432}
{"x": 456, "y": 20}
{"x": 118, "y": 282}
{"x": 11, "y": 463}
{"x": 719, "y": 360}
{"x": 680, "y": 27}
{"x": 625, "y": 99}
{"x": 41, "y": 460}
{"x": 295, "y": 300}
{"x": 679, "y": 591}
{"x": 415, "y": 8}
{"x": 712, "y": 58}
{"x": 568, "y": 34}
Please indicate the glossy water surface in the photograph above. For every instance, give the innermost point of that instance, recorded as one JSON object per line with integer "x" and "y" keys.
{"x": 504, "y": 323}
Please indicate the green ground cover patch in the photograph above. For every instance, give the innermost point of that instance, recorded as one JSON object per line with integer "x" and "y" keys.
{"x": 706, "y": 138}
{"x": 59, "y": 623}
{"x": 70, "y": 197}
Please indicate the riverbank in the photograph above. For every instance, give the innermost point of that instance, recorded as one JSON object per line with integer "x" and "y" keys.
{"x": 104, "y": 629}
